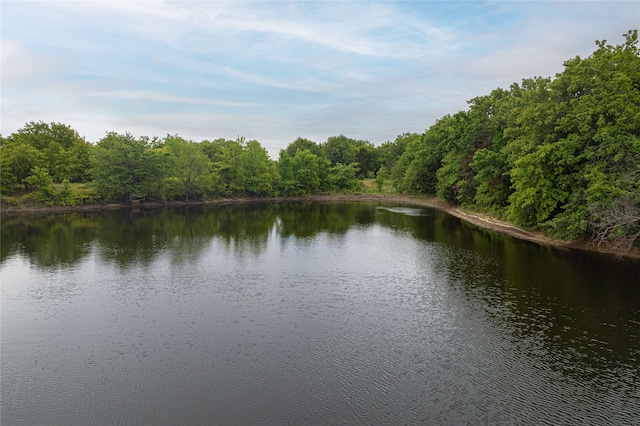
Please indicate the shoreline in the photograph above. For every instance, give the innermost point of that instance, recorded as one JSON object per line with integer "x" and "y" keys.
{"x": 478, "y": 219}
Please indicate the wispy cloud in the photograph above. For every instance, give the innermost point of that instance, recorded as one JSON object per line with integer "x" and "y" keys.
{"x": 276, "y": 70}
{"x": 147, "y": 96}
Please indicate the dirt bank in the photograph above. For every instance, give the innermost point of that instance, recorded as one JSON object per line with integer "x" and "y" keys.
{"x": 495, "y": 225}
{"x": 480, "y": 220}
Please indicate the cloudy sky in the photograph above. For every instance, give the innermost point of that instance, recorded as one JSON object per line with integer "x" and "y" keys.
{"x": 276, "y": 70}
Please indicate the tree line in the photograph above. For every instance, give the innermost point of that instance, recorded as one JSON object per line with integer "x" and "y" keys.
{"x": 46, "y": 159}
{"x": 560, "y": 155}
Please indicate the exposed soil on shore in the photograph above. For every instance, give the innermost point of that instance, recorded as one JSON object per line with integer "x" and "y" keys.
{"x": 477, "y": 219}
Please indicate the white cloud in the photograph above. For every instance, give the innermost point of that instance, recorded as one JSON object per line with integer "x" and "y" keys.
{"x": 21, "y": 66}
{"x": 339, "y": 26}
{"x": 150, "y": 96}
{"x": 273, "y": 71}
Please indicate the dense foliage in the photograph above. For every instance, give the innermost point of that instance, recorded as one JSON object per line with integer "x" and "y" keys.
{"x": 45, "y": 159}
{"x": 561, "y": 155}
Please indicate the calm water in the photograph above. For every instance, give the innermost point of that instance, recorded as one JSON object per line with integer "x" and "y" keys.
{"x": 355, "y": 313}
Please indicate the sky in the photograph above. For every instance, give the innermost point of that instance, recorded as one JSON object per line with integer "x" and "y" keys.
{"x": 275, "y": 70}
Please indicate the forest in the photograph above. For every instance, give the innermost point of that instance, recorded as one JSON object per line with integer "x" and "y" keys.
{"x": 559, "y": 155}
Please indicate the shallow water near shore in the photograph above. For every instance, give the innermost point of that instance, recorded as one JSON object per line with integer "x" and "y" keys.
{"x": 309, "y": 313}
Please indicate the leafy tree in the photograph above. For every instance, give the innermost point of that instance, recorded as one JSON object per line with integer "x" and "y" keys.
{"x": 530, "y": 118}
{"x": 241, "y": 167}
{"x": 65, "y": 153}
{"x": 601, "y": 95}
{"x": 592, "y": 155}
{"x": 189, "y": 174}
{"x": 20, "y": 159}
{"x": 344, "y": 177}
{"x": 305, "y": 173}
{"x": 286, "y": 175}
{"x": 300, "y": 144}
{"x": 536, "y": 180}
{"x": 123, "y": 166}
{"x": 446, "y": 145}
{"x": 367, "y": 159}
{"x": 428, "y": 152}
{"x": 491, "y": 179}
{"x": 212, "y": 148}
{"x": 399, "y": 155}
{"x": 340, "y": 149}
{"x": 258, "y": 168}
{"x": 42, "y": 183}
{"x": 390, "y": 152}
{"x": 482, "y": 128}
{"x": 229, "y": 179}
{"x": 7, "y": 179}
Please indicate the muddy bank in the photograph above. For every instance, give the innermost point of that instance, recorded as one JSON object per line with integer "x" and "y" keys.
{"x": 477, "y": 219}
{"x": 490, "y": 223}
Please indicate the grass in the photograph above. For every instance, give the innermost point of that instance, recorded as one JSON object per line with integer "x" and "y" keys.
{"x": 370, "y": 186}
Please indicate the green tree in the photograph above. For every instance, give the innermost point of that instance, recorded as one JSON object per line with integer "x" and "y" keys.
{"x": 189, "y": 173}
{"x": 258, "y": 169}
{"x": 344, "y": 177}
{"x": 7, "y": 179}
{"x": 481, "y": 127}
{"x": 40, "y": 180}
{"x": 530, "y": 118}
{"x": 406, "y": 145}
{"x": 229, "y": 179}
{"x": 301, "y": 144}
{"x": 340, "y": 149}
{"x": 367, "y": 159}
{"x": 123, "y": 166}
{"x": 20, "y": 159}
{"x": 305, "y": 173}
{"x": 591, "y": 157}
{"x": 241, "y": 167}
{"x": 64, "y": 152}
{"x": 390, "y": 152}
{"x": 212, "y": 148}
{"x": 491, "y": 179}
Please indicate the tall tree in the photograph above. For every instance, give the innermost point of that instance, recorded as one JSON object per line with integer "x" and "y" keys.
{"x": 301, "y": 144}
{"x": 189, "y": 174}
{"x": 229, "y": 179}
{"x": 390, "y": 152}
{"x": 66, "y": 154}
{"x": 340, "y": 149}
{"x": 18, "y": 159}
{"x": 123, "y": 166}
{"x": 344, "y": 177}
{"x": 305, "y": 173}
{"x": 592, "y": 158}
{"x": 367, "y": 159}
{"x": 258, "y": 169}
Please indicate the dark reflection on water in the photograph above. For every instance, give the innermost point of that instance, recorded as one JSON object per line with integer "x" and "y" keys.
{"x": 345, "y": 313}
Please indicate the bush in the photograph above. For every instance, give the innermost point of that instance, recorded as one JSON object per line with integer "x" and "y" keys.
{"x": 43, "y": 185}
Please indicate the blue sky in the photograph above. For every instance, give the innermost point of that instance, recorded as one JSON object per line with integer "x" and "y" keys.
{"x": 275, "y": 70}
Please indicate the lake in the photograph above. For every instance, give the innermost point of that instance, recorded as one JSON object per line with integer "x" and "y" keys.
{"x": 309, "y": 313}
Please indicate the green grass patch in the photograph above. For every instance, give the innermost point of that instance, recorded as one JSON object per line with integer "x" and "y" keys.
{"x": 370, "y": 186}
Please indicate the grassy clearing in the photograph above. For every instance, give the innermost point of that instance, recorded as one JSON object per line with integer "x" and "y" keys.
{"x": 370, "y": 186}
{"x": 57, "y": 195}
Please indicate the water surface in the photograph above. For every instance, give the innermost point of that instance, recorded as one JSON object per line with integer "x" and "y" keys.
{"x": 351, "y": 313}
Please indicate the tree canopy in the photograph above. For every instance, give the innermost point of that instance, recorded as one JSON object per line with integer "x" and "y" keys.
{"x": 560, "y": 155}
